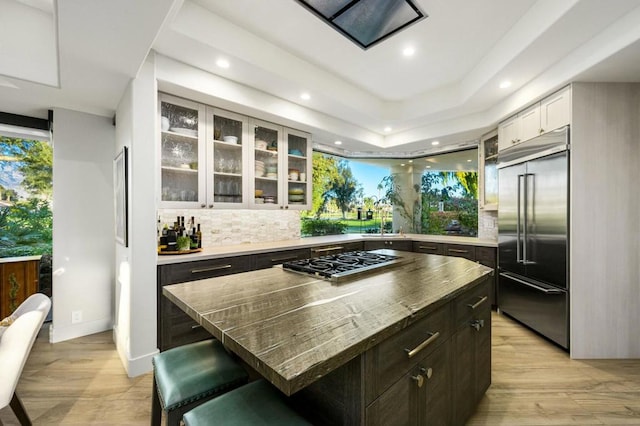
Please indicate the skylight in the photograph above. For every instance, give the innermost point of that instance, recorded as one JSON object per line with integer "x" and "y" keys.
{"x": 366, "y": 22}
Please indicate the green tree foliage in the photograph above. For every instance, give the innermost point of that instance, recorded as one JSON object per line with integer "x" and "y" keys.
{"x": 325, "y": 172}
{"x": 345, "y": 189}
{"x": 26, "y": 225}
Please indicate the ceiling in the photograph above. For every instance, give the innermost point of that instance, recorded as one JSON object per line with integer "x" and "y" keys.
{"x": 448, "y": 90}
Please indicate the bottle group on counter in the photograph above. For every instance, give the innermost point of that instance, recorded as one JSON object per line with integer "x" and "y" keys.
{"x": 179, "y": 236}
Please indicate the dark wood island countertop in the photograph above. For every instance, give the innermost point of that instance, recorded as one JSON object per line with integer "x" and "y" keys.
{"x": 294, "y": 329}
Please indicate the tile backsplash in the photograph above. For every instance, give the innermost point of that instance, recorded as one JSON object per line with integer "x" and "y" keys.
{"x": 488, "y": 225}
{"x": 226, "y": 227}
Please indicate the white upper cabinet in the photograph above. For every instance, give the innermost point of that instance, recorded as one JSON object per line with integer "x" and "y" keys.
{"x": 227, "y": 150}
{"x": 555, "y": 110}
{"x": 552, "y": 112}
{"x": 182, "y": 153}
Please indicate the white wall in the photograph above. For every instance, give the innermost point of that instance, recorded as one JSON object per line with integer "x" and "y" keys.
{"x": 83, "y": 218}
{"x": 135, "y": 266}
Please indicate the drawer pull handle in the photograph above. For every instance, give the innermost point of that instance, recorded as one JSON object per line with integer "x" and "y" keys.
{"x": 211, "y": 269}
{"x": 432, "y": 337}
{"x": 458, "y": 251}
{"x": 193, "y": 327}
{"x": 322, "y": 250}
{"x": 419, "y": 379}
{"x": 428, "y": 247}
{"x": 283, "y": 259}
{"x": 478, "y": 303}
{"x": 477, "y": 324}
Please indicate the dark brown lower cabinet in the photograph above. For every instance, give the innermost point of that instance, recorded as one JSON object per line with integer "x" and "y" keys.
{"x": 471, "y": 344}
{"x": 391, "y": 244}
{"x": 440, "y": 384}
{"x": 420, "y": 397}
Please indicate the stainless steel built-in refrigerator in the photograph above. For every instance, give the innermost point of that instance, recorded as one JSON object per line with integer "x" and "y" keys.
{"x": 533, "y": 225}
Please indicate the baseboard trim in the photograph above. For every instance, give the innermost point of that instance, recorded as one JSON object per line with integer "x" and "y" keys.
{"x": 60, "y": 334}
{"x": 133, "y": 366}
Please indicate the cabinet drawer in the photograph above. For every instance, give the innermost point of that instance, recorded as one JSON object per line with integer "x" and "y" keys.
{"x": 267, "y": 260}
{"x": 198, "y": 270}
{"x": 473, "y": 303}
{"x": 403, "y": 245}
{"x": 386, "y": 362}
{"x": 486, "y": 256}
{"x": 425, "y": 247}
{"x": 461, "y": 250}
{"x": 335, "y": 248}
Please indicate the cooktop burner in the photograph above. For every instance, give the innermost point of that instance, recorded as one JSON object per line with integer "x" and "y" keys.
{"x": 336, "y": 267}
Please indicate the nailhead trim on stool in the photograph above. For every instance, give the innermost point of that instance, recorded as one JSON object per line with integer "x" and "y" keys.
{"x": 189, "y": 375}
{"x": 257, "y": 403}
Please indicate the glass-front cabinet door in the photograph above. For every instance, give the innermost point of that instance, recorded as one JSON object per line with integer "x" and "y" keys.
{"x": 226, "y": 153}
{"x": 297, "y": 162}
{"x": 265, "y": 160}
{"x": 181, "y": 154}
{"x": 489, "y": 171}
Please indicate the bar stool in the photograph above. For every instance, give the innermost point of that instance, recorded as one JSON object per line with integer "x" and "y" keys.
{"x": 186, "y": 376}
{"x": 257, "y": 403}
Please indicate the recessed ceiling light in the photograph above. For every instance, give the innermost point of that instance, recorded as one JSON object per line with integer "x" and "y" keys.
{"x": 428, "y": 167}
{"x": 408, "y": 51}
{"x": 222, "y": 63}
{"x": 435, "y": 143}
{"x": 411, "y": 161}
{"x": 401, "y": 164}
{"x": 338, "y": 142}
{"x": 505, "y": 84}
{"x": 305, "y": 96}
{"x": 388, "y": 129}
{"x": 468, "y": 161}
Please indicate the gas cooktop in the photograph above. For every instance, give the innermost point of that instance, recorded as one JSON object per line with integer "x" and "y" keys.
{"x": 338, "y": 267}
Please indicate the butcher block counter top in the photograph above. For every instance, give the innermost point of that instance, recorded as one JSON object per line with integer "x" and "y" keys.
{"x": 294, "y": 329}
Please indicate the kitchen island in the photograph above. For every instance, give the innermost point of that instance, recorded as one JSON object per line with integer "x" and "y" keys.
{"x": 360, "y": 351}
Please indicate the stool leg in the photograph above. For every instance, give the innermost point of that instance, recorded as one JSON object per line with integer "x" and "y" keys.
{"x": 19, "y": 411}
{"x": 156, "y": 410}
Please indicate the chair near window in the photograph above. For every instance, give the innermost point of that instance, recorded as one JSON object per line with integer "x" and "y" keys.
{"x": 16, "y": 342}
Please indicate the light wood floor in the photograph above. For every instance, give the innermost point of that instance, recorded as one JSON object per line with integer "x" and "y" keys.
{"x": 82, "y": 382}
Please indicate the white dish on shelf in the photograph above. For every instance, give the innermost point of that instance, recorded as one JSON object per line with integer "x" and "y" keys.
{"x": 183, "y": 131}
{"x": 230, "y": 139}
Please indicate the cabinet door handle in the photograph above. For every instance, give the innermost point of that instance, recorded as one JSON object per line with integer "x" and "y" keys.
{"x": 193, "y": 327}
{"x": 477, "y": 324}
{"x": 322, "y": 250}
{"x": 284, "y": 259}
{"x": 211, "y": 269}
{"x": 427, "y": 372}
{"x": 458, "y": 251}
{"x": 432, "y": 338}
{"x": 419, "y": 379}
{"x": 478, "y": 303}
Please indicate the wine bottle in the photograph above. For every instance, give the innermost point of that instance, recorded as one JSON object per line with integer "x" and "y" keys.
{"x": 199, "y": 234}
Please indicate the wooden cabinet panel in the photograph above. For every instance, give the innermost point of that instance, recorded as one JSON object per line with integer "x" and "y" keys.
{"x": 174, "y": 327}
{"x": 267, "y": 260}
{"x": 399, "y": 405}
{"x": 437, "y": 389}
{"x": 404, "y": 245}
{"x": 471, "y": 343}
{"x": 427, "y": 247}
{"x": 387, "y": 361}
{"x": 23, "y": 274}
{"x": 460, "y": 250}
{"x": 336, "y": 248}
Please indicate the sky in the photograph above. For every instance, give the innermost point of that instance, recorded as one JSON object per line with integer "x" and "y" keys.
{"x": 369, "y": 176}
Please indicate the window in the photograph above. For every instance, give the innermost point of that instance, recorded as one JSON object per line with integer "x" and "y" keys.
{"x": 427, "y": 195}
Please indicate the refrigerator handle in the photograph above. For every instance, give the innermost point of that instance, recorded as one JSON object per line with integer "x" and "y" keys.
{"x": 525, "y": 225}
{"x": 519, "y": 258}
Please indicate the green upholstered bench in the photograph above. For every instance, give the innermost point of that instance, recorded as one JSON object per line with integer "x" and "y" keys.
{"x": 257, "y": 403}
{"x": 186, "y": 376}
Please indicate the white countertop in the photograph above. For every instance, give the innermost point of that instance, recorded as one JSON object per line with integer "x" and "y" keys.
{"x": 308, "y": 242}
